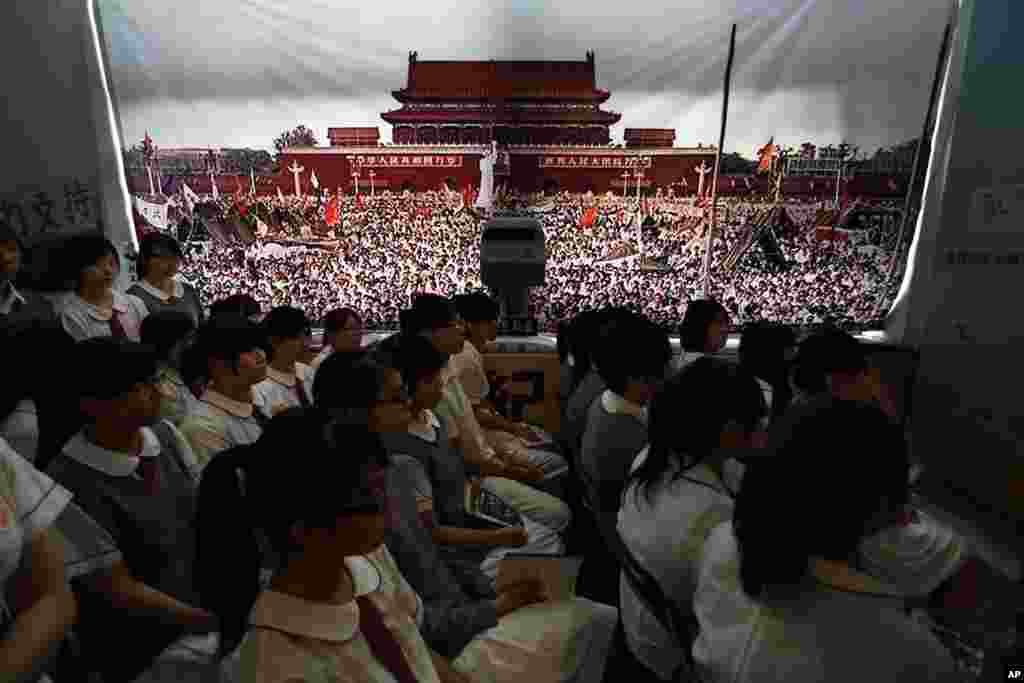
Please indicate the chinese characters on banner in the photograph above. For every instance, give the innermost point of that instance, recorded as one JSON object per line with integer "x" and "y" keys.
{"x": 594, "y": 161}
{"x": 44, "y": 214}
{"x": 154, "y": 213}
{"x": 409, "y": 161}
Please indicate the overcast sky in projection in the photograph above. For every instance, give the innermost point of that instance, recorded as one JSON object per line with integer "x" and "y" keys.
{"x": 235, "y": 73}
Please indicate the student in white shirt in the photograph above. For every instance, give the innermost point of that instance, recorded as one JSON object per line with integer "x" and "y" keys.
{"x": 781, "y": 595}
{"x": 91, "y": 264}
{"x": 678, "y": 492}
{"x": 337, "y": 608}
{"x": 32, "y": 572}
{"x": 286, "y": 330}
{"x": 704, "y": 330}
{"x": 229, "y": 358}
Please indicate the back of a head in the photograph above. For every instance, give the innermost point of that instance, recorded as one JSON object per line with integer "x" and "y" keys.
{"x": 346, "y": 382}
{"x": 338, "y": 318}
{"x": 824, "y": 353}
{"x": 631, "y": 347}
{"x": 163, "y": 330}
{"x": 224, "y": 337}
{"x": 413, "y": 356}
{"x": 477, "y": 307}
{"x": 824, "y": 503}
{"x": 693, "y": 331}
{"x": 285, "y": 322}
{"x": 429, "y": 312}
{"x": 763, "y": 347}
{"x": 337, "y": 465}
{"x": 109, "y": 367}
{"x": 236, "y": 304}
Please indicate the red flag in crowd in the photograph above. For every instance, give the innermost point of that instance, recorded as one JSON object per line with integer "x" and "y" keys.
{"x": 766, "y": 155}
{"x": 467, "y": 197}
{"x": 359, "y": 201}
{"x": 332, "y": 213}
{"x": 588, "y": 217}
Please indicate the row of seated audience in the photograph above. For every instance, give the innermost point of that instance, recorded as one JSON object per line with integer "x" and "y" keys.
{"x": 187, "y": 499}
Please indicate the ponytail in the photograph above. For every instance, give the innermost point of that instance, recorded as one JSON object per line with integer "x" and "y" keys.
{"x": 228, "y": 554}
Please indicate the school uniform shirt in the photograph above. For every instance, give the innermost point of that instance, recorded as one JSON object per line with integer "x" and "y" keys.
{"x": 291, "y": 639}
{"x": 177, "y": 401}
{"x": 616, "y": 432}
{"x": 281, "y": 390}
{"x": 184, "y": 299}
{"x": 83, "y": 320}
{"x": 440, "y": 483}
{"x": 468, "y": 366}
{"x": 553, "y": 641}
{"x": 219, "y": 423}
{"x": 665, "y": 526}
{"x": 845, "y": 627}
{"x": 578, "y": 408}
{"x": 153, "y": 532}
{"x": 21, "y": 429}
{"x": 917, "y": 556}
{"x": 30, "y": 503}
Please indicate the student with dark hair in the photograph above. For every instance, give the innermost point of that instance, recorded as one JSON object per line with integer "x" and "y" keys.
{"x": 466, "y": 616}
{"x": 704, "y": 330}
{"x": 479, "y": 314}
{"x": 160, "y": 257}
{"x": 436, "y": 319}
{"x": 338, "y": 606}
{"x": 129, "y": 473}
{"x": 90, "y": 265}
{"x": 238, "y": 304}
{"x": 616, "y": 428}
{"x": 228, "y": 358}
{"x": 169, "y": 333}
{"x": 778, "y": 589}
{"x": 15, "y": 304}
{"x": 678, "y": 491}
{"x": 28, "y": 397}
{"x": 766, "y": 351}
{"x": 286, "y": 330}
{"x": 832, "y": 363}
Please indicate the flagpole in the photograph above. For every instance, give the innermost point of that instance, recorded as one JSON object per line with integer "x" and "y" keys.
{"x": 918, "y": 158}
{"x": 710, "y": 226}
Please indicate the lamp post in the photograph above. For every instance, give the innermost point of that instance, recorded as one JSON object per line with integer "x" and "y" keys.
{"x": 625, "y": 183}
{"x": 373, "y": 174}
{"x": 355, "y": 179}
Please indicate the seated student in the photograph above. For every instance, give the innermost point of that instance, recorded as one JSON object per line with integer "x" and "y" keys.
{"x": 127, "y": 473}
{"x": 343, "y": 331}
{"x": 338, "y": 609}
{"x": 90, "y": 264}
{"x": 169, "y": 333}
{"x": 238, "y": 304}
{"x": 228, "y": 354}
{"x": 443, "y": 482}
{"x": 704, "y": 330}
{"x": 511, "y": 633}
{"x": 371, "y": 390}
{"x": 834, "y": 364}
{"x": 17, "y": 305}
{"x": 434, "y": 318}
{"x": 160, "y": 258}
{"x": 479, "y": 314}
{"x": 25, "y": 392}
{"x": 766, "y": 351}
{"x": 32, "y": 576}
{"x": 678, "y": 492}
{"x": 793, "y": 605}
{"x": 616, "y": 426}
{"x": 286, "y": 330}
{"x": 587, "y": 384}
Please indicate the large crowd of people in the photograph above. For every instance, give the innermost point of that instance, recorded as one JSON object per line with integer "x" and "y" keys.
{"x": 187, "y": 493}
{"x": 389, "y": 247}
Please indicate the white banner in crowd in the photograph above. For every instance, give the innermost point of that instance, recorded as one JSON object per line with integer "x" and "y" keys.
{"x": 155, "y": 214}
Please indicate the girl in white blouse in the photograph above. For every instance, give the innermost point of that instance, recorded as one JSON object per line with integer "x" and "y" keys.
{"x": 95, "y": 309}
{"x": 32, "y": 570}
{"x": 286, "y": 330}
{"x": 337, "y": 608}
{"x": 678, "y": 492}
{"x": 781, "y": 594}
